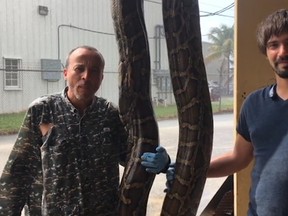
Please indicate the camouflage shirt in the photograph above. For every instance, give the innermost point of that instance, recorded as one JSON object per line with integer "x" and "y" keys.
{"x": 73, "y": 169}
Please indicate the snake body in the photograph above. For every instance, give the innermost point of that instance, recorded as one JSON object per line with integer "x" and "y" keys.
{"x": 135, "y": 104}
{"x": 188, "y": 75}
{"x": 190, "y": 87}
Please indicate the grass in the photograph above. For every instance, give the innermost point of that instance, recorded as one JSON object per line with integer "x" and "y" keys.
{"x": 162, "y": 112}
{"x": 10, "y": 123}
{"x": 224, "y": 105}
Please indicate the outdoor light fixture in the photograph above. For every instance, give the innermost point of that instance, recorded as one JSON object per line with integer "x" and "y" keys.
{"x": 43, "y": 10}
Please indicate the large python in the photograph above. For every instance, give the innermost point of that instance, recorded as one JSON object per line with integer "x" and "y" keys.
{"x": 190, "y": 87}
{"x": 135, "y": 105}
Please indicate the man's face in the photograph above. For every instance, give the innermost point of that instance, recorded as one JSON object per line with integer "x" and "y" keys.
{"x": 84, "y": 74}
{"x": 277, "y": 54}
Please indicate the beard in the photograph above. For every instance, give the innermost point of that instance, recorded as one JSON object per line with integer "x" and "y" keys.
{"x": 281, "y": 71}
{"x": 78, "y": 95}
{"x": 81, "y": 91}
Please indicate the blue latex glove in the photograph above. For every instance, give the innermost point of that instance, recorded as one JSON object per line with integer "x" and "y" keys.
{"x": 155, "y": 162}
{"x": 170, "y": 177}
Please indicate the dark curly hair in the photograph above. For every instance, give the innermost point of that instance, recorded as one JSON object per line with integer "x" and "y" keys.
{"x": 274, "y": 25}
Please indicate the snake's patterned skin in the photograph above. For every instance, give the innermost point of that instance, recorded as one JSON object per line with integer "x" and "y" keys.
{"x": 135, "y": 104}
{"x": 188, "y": 75}
{"x": 190, "y": 87}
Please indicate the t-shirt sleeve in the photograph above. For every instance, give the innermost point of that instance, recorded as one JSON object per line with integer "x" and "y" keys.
{"x": 242, "y": 126}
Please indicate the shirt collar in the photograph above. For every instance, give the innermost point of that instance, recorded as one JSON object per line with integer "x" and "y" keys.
{"x": 64, "y": 95}
{"x": 272, "y": 92}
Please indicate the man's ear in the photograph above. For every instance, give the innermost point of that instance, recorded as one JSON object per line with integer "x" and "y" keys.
{"x": 65, "y": 73}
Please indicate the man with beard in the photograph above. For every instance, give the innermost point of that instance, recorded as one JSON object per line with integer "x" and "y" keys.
{"x": 262, "y": 130}
{"x": 66, "y": 158}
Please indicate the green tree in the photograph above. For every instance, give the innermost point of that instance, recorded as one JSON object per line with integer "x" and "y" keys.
{"x": 222, "y": 47}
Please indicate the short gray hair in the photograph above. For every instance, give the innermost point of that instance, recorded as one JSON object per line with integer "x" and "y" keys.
{"x": 84, "y": 47}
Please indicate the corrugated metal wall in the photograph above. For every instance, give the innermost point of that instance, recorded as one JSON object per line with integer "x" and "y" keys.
{"x": 26, "y": 35}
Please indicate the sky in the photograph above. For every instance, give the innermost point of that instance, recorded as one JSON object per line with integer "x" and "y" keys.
{"x": 212, "y": 14}
{"x": 208, "y": 22}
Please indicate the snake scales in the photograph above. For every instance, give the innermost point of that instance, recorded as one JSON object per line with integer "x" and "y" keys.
{"x": 135, "y": 105}
{"x": 188, "y": 75}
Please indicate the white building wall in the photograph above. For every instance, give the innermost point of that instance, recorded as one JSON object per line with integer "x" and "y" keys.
{"x": 153, "y": 17}
{"x": 31, "y": 37}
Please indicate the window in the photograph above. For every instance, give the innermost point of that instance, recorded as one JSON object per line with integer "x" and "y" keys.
{"x": 12, "y": 74}
{"x": 164, "y": 83}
